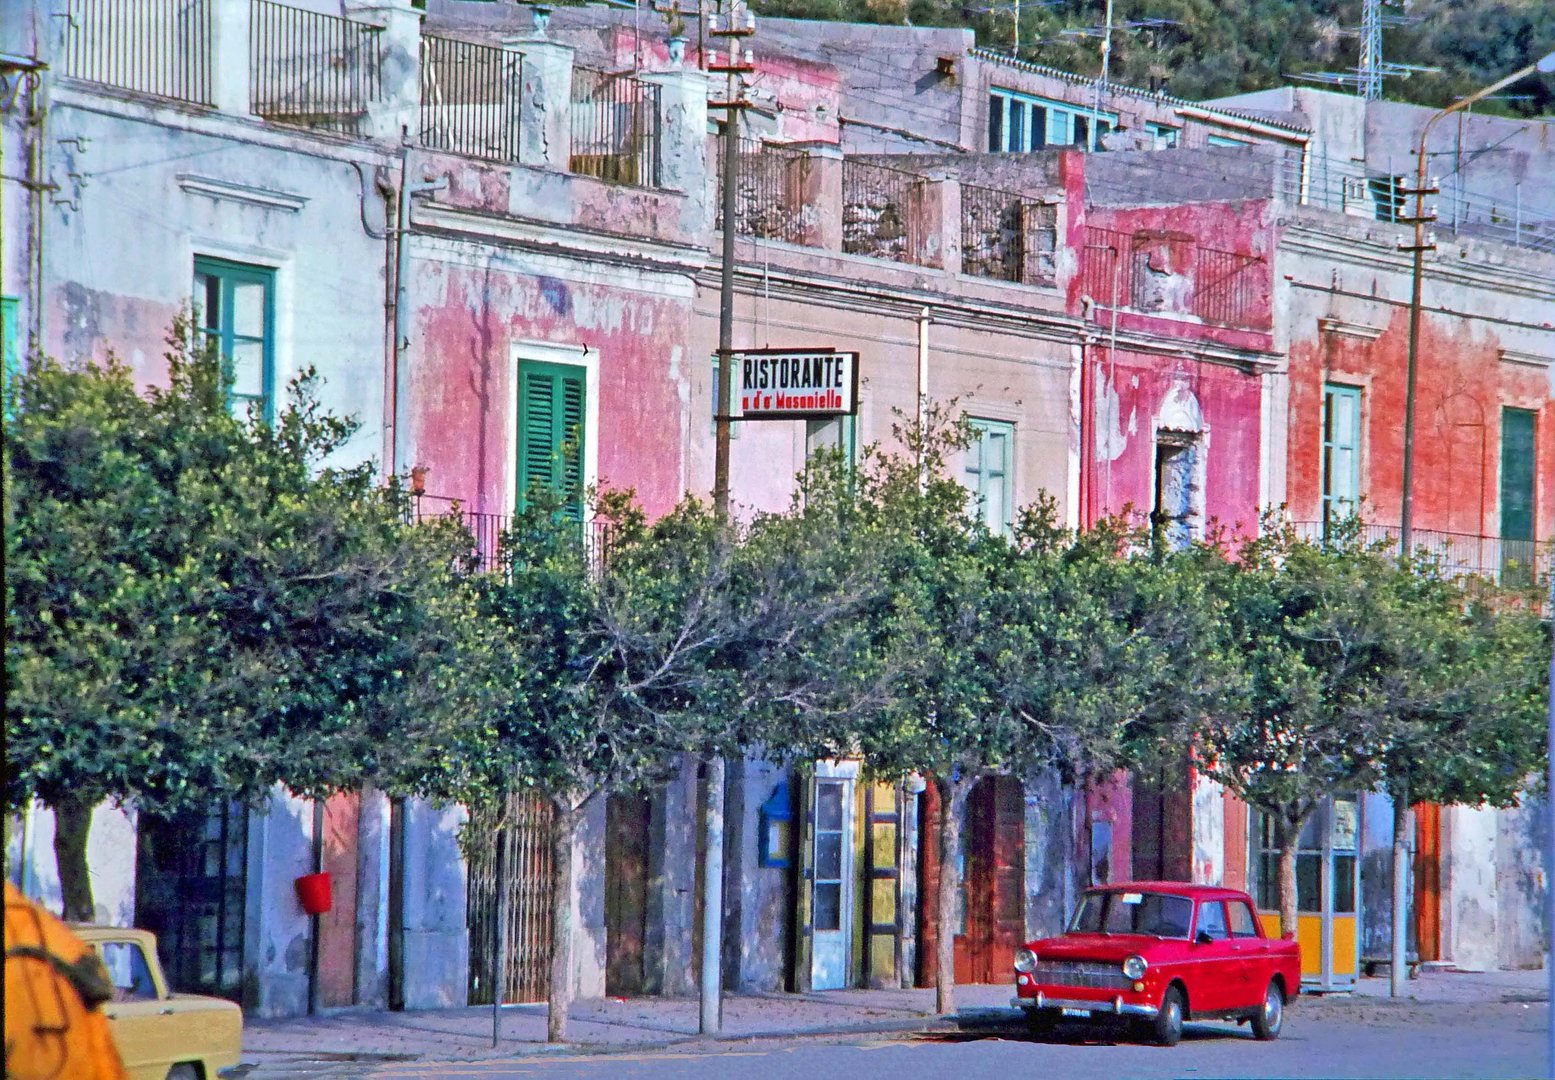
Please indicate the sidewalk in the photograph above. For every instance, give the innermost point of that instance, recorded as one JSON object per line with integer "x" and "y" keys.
{"x": 603, "y": 1024}
{"x": 644, "y": 1023}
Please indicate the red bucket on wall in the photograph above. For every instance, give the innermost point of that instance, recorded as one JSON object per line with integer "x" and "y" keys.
{"x": 313, "y": 892}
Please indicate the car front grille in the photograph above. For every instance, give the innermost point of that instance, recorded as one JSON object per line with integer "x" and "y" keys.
{"x": 1088, "y": 974}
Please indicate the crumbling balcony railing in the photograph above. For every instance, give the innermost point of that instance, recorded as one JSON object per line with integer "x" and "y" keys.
{"x": 156, "y": 47}
{"x": 882, "y": 211}
{"x": 615, "y": 127}
{"x": 470, "y": 98}
{"x": 1008, "y": 236}
{"x": 312, "y": 70}
{"x": 1151, "y": 273}
{"x": 769, "y": 202}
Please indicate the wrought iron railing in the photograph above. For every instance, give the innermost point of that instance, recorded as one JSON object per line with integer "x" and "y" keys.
{"x": 1222, "y": 286}
{"x": 882, "y": 213}
{"x": 615, "y": 127}
{"x": 488, "y": 532}
{"x": 769, "y": 201}
{"x": 470, "y": 98}
{"x": 157, "y": 47}
{"x": 1008, "y": 236}
{"x": 312, "y": 70}
{"x": 1507, "y": 562}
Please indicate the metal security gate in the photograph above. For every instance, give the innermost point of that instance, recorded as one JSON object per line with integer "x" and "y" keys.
{"x": 526, "y": 879}
{"x": 191, "y": 877}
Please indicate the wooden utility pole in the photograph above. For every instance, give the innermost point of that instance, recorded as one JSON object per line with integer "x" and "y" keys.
{"x": 735, "y": 24}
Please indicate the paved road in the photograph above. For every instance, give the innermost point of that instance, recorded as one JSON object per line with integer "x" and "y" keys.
{"x": 1488, "y": 1040}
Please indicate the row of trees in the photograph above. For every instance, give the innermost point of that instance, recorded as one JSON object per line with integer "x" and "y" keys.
{"x": 198, "y": 608}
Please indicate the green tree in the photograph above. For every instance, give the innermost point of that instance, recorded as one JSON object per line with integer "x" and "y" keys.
{"x": 1009, "y": 655}
{"x": 198, "y": 608}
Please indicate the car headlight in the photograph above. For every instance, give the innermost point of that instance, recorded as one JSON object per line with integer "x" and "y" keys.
{"x": 1134, "y": 967}
{"x": 1025, "y": 961}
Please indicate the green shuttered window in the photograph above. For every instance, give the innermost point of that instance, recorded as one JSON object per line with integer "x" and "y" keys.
{"x": 551, "y": 399}
{"x": 1518, "y": 428}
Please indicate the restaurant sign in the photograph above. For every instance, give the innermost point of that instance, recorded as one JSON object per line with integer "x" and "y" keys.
{"x": 794, "y": 384}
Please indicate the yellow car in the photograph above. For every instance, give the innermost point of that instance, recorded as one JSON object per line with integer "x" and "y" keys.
{"x": 161, "y": 1035}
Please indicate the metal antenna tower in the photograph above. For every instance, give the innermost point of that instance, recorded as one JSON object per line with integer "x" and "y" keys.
{"x": 1368, "y": 83}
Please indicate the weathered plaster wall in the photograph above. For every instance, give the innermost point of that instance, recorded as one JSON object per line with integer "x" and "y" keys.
{"x": 479, "y": 310}
{"x": 1486, "y": 341}
{"x": 110, "y": 856}
{"x": 276, "y": 933}
{"x": 669, "y": 952}
{"x": 1109, "y": 800}
{"x": 1052, "y": 861}
{"x": 992, "y": 374}
{"x": 212, "y": 185}
{"x": 765, "y": 909}
{"x": 1470, "y": 900}
{"x": 1521, "y": 884}
{"x": 437, "y": 945}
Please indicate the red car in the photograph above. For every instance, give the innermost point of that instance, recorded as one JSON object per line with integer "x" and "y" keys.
{"x": 1160, "y": 952}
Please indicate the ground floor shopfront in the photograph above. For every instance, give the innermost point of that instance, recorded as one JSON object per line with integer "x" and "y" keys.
{"x": 831, "y": 882}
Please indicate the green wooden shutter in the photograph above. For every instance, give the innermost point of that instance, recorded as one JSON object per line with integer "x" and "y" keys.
{"x": 551, "y": 433}
{"x": 1517, "y": 429}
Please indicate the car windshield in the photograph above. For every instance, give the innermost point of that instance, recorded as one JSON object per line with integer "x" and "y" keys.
{"x": 1151, "y": 914}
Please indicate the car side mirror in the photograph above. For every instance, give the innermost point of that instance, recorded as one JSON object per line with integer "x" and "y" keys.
{"x": 1203, "y": 938}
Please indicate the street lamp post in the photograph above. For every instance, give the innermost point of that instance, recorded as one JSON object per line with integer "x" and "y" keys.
{"x": 1545, "y": 65}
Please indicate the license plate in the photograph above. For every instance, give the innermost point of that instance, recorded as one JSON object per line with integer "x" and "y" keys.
{"x": 1075, "y": 1012}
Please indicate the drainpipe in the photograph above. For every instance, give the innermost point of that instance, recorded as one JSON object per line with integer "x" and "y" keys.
{"x": 923, "y": 389}
{"x": 36, "y": 184}
{"x": 399, "y": 376}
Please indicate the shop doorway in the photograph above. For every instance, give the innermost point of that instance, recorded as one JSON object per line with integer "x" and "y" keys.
{"x": 191, "y": 879}
{"x": 1328, "y": 886}
{"x": 626, "y": 893}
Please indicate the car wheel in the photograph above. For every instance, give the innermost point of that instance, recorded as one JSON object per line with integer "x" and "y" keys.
{"x": 1167, "y": 1028}
{"x": 1271, "y": 1015}
{"x": 185, "y": 1071}
{"x": 1041, "y": 1022}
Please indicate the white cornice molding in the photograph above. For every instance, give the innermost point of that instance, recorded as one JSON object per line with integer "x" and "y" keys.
{"x": 1310, "y": 238}
{"x": 247, "y": 194}
{"x": 469, "y": 226}
{"x": 1331, "y": 325}
{"x": 1526, "y": 359}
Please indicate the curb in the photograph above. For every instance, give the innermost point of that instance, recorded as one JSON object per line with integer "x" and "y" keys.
{"x": 930, "y": 1024}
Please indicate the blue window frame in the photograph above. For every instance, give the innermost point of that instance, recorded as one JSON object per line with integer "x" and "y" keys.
{"x": 1225, "y": 140}
{"x": 1020, "y": 123}
{"x": 1163, "y": 136}
{"x": 234, "y": 306}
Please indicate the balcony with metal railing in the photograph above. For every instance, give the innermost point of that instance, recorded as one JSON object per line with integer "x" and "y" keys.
{"x": 1152, "y": 274}
{"x": 615, "y": 127}
{"x": 160, "y": 48}
{"x": 488, "y": 533}
{"x": 312, "y": 70}
{"x": 1509, "y": 563}
{"x": 470, "y": 98}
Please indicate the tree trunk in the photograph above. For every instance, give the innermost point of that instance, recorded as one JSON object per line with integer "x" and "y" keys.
{"x": 564, "y": 829}
{"x": 1290, "y": 840}
{"x": 952, "y": 811}
{"x": 1398, "y": 959}
{"x": 72, "y": 822}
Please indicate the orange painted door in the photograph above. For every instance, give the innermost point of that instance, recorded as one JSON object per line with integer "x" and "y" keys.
{"x": 1428, "y": 880}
